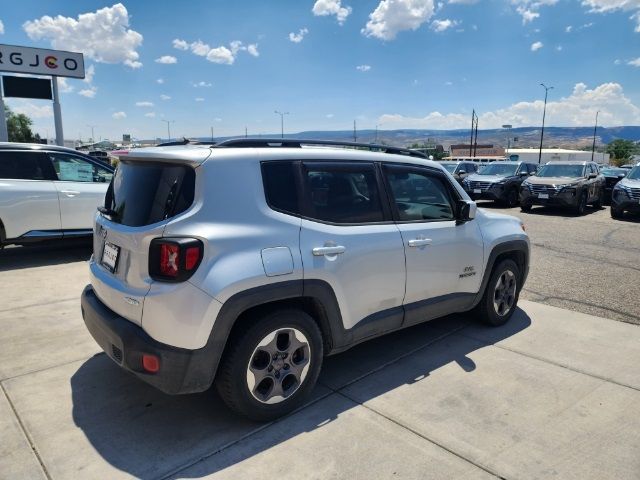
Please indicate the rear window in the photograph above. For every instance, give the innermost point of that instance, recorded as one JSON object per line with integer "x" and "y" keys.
{"x": 146, "y": 193}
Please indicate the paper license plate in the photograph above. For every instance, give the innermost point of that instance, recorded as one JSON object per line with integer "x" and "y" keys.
{"x": 543, "y": 195}
{"x": 477, "y": 190}
{"x": 110, "y": 256}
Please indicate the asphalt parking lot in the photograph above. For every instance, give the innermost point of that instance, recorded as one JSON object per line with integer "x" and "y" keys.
{"x": 589, "y": 264}
{"x": 554, "y": 393}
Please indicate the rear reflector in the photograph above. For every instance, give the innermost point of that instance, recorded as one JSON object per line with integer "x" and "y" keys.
{"x": 150, "y": 363}
{"x": 193, "y": 257}
{"x": 174, "y": 259}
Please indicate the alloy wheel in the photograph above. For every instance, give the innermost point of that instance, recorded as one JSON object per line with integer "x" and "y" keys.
{"x": 504, "y": 295}
{"x": 278, "y": 365}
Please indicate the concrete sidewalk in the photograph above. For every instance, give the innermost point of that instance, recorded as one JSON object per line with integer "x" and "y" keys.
{"x": 552, "y": 394}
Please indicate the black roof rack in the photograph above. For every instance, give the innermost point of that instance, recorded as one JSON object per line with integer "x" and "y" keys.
{"x": 297, "y": 143}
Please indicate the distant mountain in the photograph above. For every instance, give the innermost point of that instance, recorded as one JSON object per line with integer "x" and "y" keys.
{"x": 527, "y": 137}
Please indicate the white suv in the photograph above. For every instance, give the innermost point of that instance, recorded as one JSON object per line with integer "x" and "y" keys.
{"x": 48, "y": 192}
{"x": 246, "y": 263}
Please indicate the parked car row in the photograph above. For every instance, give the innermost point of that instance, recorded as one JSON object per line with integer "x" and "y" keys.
{"x": 566, "y": 184}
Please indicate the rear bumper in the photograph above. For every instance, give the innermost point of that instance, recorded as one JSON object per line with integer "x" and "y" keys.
{"x": 181, "y": 370}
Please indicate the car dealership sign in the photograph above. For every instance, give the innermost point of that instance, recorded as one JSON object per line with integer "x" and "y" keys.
{"x": 40, "y": 61}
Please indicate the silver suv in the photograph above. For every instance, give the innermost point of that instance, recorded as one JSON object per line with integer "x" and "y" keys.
{"x": 246, "y": 266}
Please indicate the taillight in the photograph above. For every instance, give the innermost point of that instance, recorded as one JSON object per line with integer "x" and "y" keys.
{"x": 174, "y": 259}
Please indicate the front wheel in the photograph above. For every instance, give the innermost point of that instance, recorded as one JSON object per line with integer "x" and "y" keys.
{"x": 270, "y": 368}
{"x": 598, "y": 203}
{"x": 525, "y": 207}
{"x": 616, "y": 212}
{"x": 512, "y": 198}
{"x": 582, "y": 204}
{"x": 500, "y": 297}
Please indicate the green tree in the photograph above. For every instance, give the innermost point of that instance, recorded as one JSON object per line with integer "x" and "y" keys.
{"x": 621, "y": 150}
{"x": 19, "y": 127}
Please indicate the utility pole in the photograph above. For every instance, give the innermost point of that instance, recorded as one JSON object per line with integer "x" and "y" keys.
{"x": 282, "y": 114}
{"x": 57, "y": 112}
{"x": 355, "y": 137}
{"x": 544, "y": 114}
{"x": 168, "y": 122}
{"x": 595, "y": 128}
{"x": 376, "y": 140}
{"x": 246, "y": 134}
{"x": 508, "y": 129}
{"x": 212, "y": 134}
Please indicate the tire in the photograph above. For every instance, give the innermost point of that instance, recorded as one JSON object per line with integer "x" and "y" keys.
{"x": 253, "y": 350}
{"x": 598, "y": 203}
{"x": 512, "y": 198}
{"x": 498, "y": 304}
{"x": 616, "y": 212}
{"x": 525, "y": 207}
{"x": 582, "y": 204}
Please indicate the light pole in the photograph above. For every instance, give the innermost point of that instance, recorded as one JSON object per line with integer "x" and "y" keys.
{"x": 168, "y": 122}
{"x": 595, "y": 128}
{"x": 544, "y": 113}
{"x": 376, "y": 140}
{"x": 282, "y": 114}
{"x": 508, "y": 129}
{"x": 93, "y": 139}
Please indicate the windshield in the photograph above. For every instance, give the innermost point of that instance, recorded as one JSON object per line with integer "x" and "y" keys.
{"x": 500, "y": 169}
{"x": 634, "y": 174}
{"x": 614, "y": 172}
{"x": 451, "y": 167}
{"x": 560, "y": 170}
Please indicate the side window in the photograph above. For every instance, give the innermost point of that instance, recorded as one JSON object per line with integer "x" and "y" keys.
{"x": 419, "y": 196}
{"x": 343, "y": 194}
{"x": 280, "y": 186}
{"x": 75, "y": 169}
{"x": 472, "y": 168}
{"x": 23, "y": 165}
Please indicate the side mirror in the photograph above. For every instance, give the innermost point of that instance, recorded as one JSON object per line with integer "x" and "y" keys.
{"x": 467, "y": 210}
{"x": 622, "y": 175}
{"x": 592, "y": 175}
{"x": 524, "y": 174}
{"x": 462, "y": 172}
{"x": 532, "y": 173}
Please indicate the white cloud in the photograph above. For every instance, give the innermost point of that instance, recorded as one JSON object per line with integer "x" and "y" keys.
{"x": 331, "y": 7}
{"x": 528, "y": 9}
{"x": 180, "y": 44}
{"x": 160, "y": 81}
{"x": 568, "y": 29}
{"x": 29, "y": 109}
{"x": 119, "y": 115}
{"x": 463, "y": 2}
{"x": 442, "y": 25}
{"x": 535, "y": 46}
{"x": 63, "y": 85}
{"x": 606, "y": 6}
{"x": 165, "y": 97}
{"x": 89, "y": 73}
{"x": 144, "y": 104}
{"x": 199, "y": 99}
{"x": 577, "y": 109}
{"x": 633, "y": 63}
{"x": 617, "y": 61}
{"x": 167, "y": 59}
{"x": 1, "y": 27}
{"x": 394, "y": 16}
{"x": 448, "y": 83}
{"x": 222, "y": 54}
{"x": 363, "y": 68}
{"x": 201, "y": 83}
{"x": 150, "y": 114}
{"x": 89, "y": 92}
{"x": 102, "y": 36}
{"x": 329, "y": 115}
{"x": 559, "y": 48}
{"x": 298, "y": 37}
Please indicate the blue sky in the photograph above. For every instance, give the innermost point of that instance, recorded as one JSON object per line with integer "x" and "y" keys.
{"x": 393, "y": 63}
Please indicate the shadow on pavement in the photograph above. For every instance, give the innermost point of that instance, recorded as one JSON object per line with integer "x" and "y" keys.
{"x": 148, "y": 434}
{"x": 560, "y": 212}
{"x": 45, "y": 254}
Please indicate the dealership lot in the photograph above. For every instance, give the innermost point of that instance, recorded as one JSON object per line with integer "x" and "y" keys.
{"x": 553, "y": 393}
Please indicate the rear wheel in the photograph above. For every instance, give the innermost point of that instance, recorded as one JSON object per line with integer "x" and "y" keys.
{"x": 500, "y": 297}
{"x": 616, "y": 212}
{"x": 270, "y": 368}
{"x": 512, "y": 198}
{"x": 598, "y": 203}
{"x": 525, "y": 207}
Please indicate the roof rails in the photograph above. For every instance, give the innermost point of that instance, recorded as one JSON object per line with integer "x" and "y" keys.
{"x": 297, "y": 143}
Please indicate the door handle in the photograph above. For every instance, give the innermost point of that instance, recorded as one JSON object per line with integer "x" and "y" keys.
{"x": 420, "y": 242}
{"x": 70, "y": 193}
{"x": 334, "y": 250}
